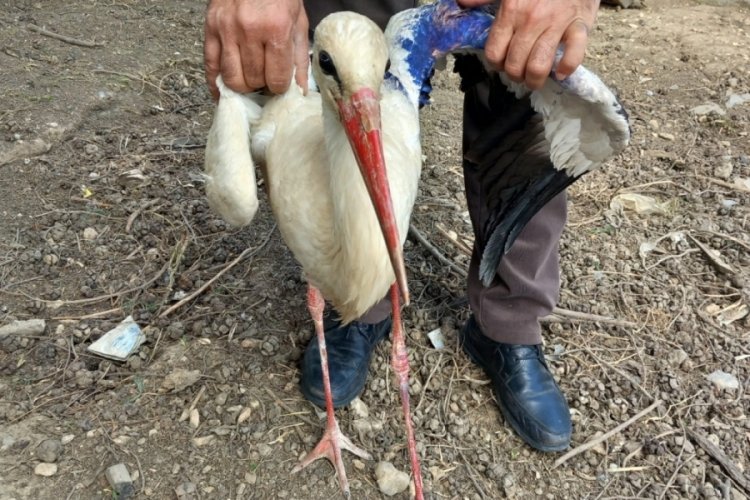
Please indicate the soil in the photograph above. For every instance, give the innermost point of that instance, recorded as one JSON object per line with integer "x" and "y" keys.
{"x": 103, "y": 215}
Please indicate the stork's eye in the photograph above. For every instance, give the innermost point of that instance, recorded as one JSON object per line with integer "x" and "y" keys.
{"x": 387, "y": 65}
{"x": 326, "y": 64}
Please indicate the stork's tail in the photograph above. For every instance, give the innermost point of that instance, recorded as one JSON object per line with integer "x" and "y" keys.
{"x": 230, "y": 173}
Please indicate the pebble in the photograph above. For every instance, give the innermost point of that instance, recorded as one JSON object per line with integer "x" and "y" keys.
{"x": 120, "y": 481}
{"x": 244, "y": 415}
{"x": 358, "y": 464}
{"x": 195, "y": 418}
{"x": 203, "y": 440}
{"x": 724, "y": 169}
{"x": 708, "y": 109}
{"x": 180, "y": 379}
{"x": 359, "y": 408}
{"x": 25, "y": 327}
{"x": 45, "y": 469}
{"x": 51, "y": 259}
{"x": 666, "y": 136}
{"x": 91, "y": 149}
{"x": 676, "y": 357}
{"x": 186, "y": 491}
{"x": 67, "y": 438}
{"x": 49, "y": 450}
{"x": 90, "y": 234}
{"x": 391, "y": 481}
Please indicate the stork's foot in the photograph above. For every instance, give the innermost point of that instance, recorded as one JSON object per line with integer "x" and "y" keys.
{"x": 330, "y": 446}
{"x": 349, "y": 350}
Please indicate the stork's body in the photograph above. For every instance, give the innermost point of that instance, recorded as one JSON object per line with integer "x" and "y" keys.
{"x": 320, "y": 200}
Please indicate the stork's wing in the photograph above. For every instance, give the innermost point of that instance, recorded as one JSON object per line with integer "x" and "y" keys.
{"x": 537, "y": 145}
{"x": 524, "y": 159}
{"x": 230, "y": 173}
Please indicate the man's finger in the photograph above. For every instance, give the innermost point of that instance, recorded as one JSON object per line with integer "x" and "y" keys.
{"x": 278, "y": 66}
{"x": 496, "y": 48}
{"x": 212, "y": 58}
{"x": 301, "y": 51}
{"x": 252, "y": 67}
{"x": 541, "y": 58}
{"x": 575, "y": 39}
{"x": 473, "y": 3}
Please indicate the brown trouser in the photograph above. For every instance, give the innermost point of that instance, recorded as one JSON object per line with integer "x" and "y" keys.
{"x": 528, "y": 278}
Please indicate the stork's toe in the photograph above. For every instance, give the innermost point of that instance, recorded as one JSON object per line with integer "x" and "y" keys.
{"x": 349, "y": 348}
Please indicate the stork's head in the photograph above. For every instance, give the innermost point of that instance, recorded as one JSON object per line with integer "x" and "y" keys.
{"x": 349, "y": 61}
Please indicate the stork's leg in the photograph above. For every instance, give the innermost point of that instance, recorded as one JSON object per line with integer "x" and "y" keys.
{"x": 333, "y": 439}
{"x": 400, "y": 362}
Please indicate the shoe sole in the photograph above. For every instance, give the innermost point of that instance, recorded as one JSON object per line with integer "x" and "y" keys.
{"x": 508, "y": 415}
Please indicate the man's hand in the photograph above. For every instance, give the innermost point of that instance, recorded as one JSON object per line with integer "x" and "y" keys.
{"x": 255, "y": 44}
{"x": 525, "y": 35}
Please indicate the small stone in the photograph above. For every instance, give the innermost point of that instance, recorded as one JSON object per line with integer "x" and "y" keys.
{"x": 195, "y": 418}
{"x": 180, "y": 379}
{"x": 203, "y": 440}
{"x": 25, "y": 327}
{"x": 91, "y": 149}
{"x": 725, "y": 168}
{"x": 67, "y": 438}
{"x": 186, "y": 491}
{"x": 359, "y": 408}
{"x": 358, "y": 464}
{"x": 676, "y": 357}
{"x": 264, "y": 450}
{"x": 49, "y": 450}
{"x": 51, "y": 259}
{"x": 90, "y": 234}
{"x": 391, "y": 481}
{"x": 120, "y": 481}
{"x": 244, "y": 415}
{"x": 45, "y": 469}
{"x": 666, "y": 136}
{"x": 251, "y": 478}
{"x": 708, "y": 109}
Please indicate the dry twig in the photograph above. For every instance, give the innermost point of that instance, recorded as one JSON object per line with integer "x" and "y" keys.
{"x": 593, "y": 442}
{"x": 734, "y": 472}
{"x": 725, "y": 184}
{"x": 435, "y": 252}
{"x": 559, "y": 312}
{"x": 63, "y": 38}
{"x": 245, "y": 253}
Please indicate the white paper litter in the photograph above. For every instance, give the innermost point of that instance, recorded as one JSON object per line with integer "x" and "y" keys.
{"x": 436, "y": 338}
{"x": 120, "y": 342}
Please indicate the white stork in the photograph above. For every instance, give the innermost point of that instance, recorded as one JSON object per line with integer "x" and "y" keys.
{"x": 342, "y": 166}
{"x": 341, "y": 213}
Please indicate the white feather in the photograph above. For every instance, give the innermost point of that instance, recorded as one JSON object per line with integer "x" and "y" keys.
{"x": 230, "y": 173}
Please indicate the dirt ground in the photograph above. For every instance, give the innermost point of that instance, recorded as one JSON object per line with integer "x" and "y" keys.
{"x": 103, "y": 215}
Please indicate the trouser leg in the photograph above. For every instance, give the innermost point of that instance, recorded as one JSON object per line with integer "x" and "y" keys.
{"x": 528, "y": 278}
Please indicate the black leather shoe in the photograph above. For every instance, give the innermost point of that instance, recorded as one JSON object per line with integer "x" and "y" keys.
{"x": 527, "y": 394}
{"x": 349, "y": 348}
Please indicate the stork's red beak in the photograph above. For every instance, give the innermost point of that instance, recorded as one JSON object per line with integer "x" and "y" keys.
{"x": 361, "y": 118}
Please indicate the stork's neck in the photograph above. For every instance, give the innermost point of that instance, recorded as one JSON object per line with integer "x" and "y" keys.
{"x": 418, "y": 38}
